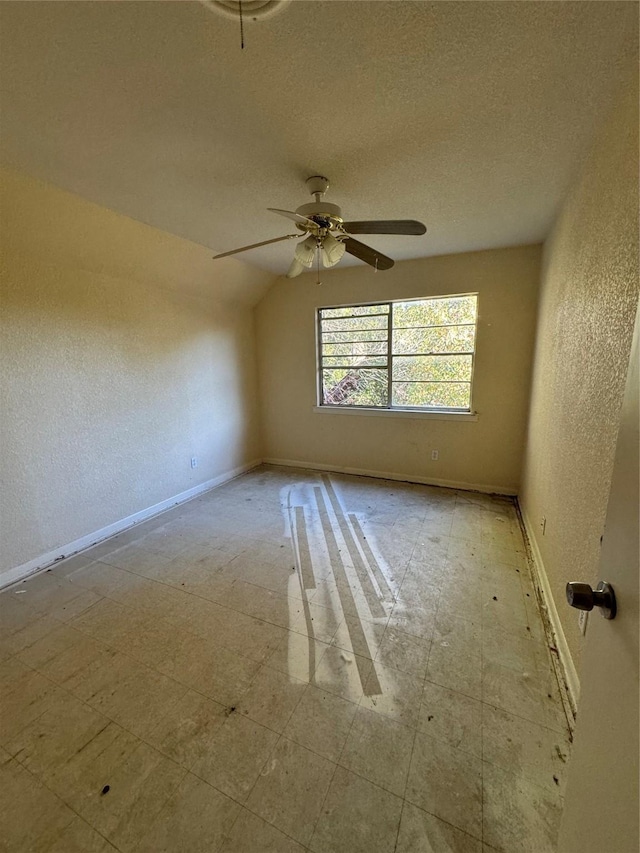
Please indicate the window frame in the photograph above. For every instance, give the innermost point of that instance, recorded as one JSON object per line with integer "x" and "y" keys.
{"x": 442, "y": 411}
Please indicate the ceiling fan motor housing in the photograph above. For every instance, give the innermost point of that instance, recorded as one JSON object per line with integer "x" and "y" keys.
{"x": 326, "y": 216}
{"x": 323, "y": 214}
{"x": 254, "y": 10}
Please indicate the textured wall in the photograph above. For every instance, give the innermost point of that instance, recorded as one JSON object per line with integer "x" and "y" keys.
{"x": 588, "y": 301}
{"x": 487, "y": 452}
{"x": 109, "y": 384}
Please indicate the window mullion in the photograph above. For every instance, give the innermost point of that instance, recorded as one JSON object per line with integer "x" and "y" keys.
{"x": 389, "y": 353}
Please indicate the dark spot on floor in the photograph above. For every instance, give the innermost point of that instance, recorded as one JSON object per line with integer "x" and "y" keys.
{"x": 495, "y": 597}
{"x": 105, "y": 790}
{"x": 556, "y": 780}
{"x": 430, "y": 717}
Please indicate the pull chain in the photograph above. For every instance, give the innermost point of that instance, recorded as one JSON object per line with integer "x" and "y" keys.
{"x": 318, "y": 264}
{"x": 241, "y": 26}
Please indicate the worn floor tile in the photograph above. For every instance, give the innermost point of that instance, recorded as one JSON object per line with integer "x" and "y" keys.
{"x": 404, "y": 652}
{"x": 525, "y": 693}
{"x": 525, "y": 748}
{"x": 139, "y": 784}
{"x": 247, "y": 636}
{"x": 195, "y": 818}
{"x": 46, "y": 592}
{"x": 343, "y": 673}
{"x": 318, "y": 622}
{"x": 76, "y": 837}
{"x": 446, "y": 782}
{"x": 297, "y": 655}
{"x": 360, "y": 636}
{"x": 26, "y": 695}
{"x": 272, "y": 698}
{"x": 15, "y": 642}
{"x": 64, "y": 654}
{"x": 518, "y": 814}
{"x": 128, "y": 692}
{"x": 187, "y": 730}
{"x": 236, "y": 755}
{"x": 379, "y": 749}
{"x": 65, "y": 728}
{"x": 356, "y": 817}
{"x": 321, "y": 722}
{"x": 32, "y": 816}
{"x": 394, "y": 694}
{"x": 456, "y": 666}
{"x": 421, "y": 832}
{"x": 251, "y": 833}
{"x": 513, "y": 650}
{"x": 291, "y": 789}
{"x": 418, "y": 621}
{"x": 451, "y": 717}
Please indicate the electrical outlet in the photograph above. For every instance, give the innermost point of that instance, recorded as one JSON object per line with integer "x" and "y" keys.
{"x": 434, "y": 455}
{"x": 194, "y": 462}
{"x": 583, "y": 618}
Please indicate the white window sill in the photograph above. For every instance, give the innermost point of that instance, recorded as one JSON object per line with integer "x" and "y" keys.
{"x": 395, "y": 413}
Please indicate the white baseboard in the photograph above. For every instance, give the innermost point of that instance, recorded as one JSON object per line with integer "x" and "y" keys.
{"x": 44, "y": 560}
{"x": 569, "y": 672}
{"x": 390, "y": 475}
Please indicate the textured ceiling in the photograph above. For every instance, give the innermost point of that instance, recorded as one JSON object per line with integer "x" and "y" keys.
{"x": 471, "y": 117}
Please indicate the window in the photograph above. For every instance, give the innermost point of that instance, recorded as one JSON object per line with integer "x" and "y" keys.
{"x": 416, "y": 354}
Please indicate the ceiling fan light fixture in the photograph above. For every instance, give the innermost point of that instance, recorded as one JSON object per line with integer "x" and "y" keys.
{"x": 332, "y": 251}
{"x": 306, "y": 251}
{"x": 295, "y": 269}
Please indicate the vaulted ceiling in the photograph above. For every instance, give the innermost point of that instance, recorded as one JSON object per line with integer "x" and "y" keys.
{"x": 471, "y": 117}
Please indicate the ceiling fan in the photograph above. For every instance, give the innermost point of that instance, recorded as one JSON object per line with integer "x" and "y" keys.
{"x": 329, "y": 236}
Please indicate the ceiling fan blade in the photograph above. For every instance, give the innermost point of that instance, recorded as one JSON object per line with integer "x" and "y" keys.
{"x": 295, "y": 217}
{"x": 385, "y": 226}
{"x": 367, "y": 254}
{"x": 255, "y": 246}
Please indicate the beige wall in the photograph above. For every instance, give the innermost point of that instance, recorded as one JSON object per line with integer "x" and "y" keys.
{"x": 111, "y": 383}
{"x": 589, "y": 293}
{"x": 486, "y": 453}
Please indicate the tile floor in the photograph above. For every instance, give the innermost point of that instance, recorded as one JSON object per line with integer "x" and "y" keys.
{"x": 294, "y": 661}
